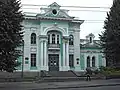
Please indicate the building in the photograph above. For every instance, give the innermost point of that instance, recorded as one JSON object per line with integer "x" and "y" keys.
{"x": 52, "y": 43}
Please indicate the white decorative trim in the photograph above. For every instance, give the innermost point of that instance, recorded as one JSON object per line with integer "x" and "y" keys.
{"x": 54, "y": 28}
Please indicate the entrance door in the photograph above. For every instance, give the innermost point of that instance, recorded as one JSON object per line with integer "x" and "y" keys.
{"x": 53, "y": 62}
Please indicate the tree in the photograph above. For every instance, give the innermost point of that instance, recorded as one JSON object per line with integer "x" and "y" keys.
{"x": 11, "y": 34}
{"x": 110, "y": 38}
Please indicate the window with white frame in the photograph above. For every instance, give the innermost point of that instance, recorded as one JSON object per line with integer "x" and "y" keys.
{"x": 57, "y": 39}
{"x": 88, "y": 61}
{"x": 71, "y": 60}
{"x": 93, "y": 61}
{"x": 53, "y": 38}
{"x": 71, "y": 39}
{"x": 33, "y": 38}
{"x": 33, "y": 60}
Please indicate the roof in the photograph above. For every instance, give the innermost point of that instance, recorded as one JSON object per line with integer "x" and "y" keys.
{"x": 95, "y": 44}
{"x": 53, "y": 12}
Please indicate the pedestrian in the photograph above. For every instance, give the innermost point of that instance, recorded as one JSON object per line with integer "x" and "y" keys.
{"x": 88, "y": 74}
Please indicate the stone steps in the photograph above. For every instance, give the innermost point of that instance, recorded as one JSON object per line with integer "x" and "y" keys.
{"x": 65, "y": 79}
{"x": 61, "y": 74}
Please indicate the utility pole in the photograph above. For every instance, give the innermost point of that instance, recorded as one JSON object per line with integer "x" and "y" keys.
{"x": 22, "y": 58}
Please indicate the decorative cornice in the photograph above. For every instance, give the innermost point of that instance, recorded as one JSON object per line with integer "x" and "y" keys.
{"x": 54, "y": 18}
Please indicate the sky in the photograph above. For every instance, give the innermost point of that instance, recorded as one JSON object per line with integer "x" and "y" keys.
{"x": 94, "y": 21}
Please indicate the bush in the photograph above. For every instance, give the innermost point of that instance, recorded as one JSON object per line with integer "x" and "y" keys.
{"x": 109, "y": 71}
{"x": 102, "y": 68}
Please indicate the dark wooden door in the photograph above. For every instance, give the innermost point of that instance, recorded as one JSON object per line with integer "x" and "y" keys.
{"x": 53, "y": 62}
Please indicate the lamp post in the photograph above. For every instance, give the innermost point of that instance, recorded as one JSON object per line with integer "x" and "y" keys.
{"x": 22, "y": 58}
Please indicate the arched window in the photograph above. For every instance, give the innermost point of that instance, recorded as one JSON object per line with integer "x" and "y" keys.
{"x": 71, "y": 39}
{"x": 53, "y": 38}
{"x": 93, "y": 61}
{"x": 33, "y": 38}
{"x": 88, "y": 61}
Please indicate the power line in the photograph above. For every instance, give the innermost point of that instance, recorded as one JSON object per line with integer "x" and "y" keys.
{"x": 93, "y": 22}
{"x": 67, "y": 6}
{"x": 74, "y": 10}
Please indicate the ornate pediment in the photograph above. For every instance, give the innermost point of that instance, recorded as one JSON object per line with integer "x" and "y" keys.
{"x": 54, "y": 11}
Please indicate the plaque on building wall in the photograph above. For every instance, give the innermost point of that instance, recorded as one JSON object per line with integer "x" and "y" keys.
{"x": 33, "y": 49}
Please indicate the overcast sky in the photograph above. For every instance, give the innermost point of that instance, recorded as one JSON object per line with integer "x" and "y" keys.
{"x": 87, "y": 27}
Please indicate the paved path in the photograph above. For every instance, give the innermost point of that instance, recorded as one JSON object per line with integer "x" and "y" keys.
{"x": 92, "y": 88}
{"x": 57, "y": 85}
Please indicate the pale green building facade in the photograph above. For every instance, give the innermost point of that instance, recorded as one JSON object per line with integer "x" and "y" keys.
{"x": 52, "y": 43}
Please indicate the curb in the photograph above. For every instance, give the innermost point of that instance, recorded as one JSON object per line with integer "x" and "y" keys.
{"x": 86, "y": 86}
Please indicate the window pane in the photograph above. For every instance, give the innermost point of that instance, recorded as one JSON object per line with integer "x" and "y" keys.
{"x": 71, "y": 40}
{"x": 90, "y": 39}
{"x": 33, "y": 60}
{"x": 53, "y": 38}
{"x": 93, "y": 61}
{"x": 33, "y": 38}
{"x": 88, "y": 61}
{"x": 71, "y": 60}
{"x": 57, "y": 39}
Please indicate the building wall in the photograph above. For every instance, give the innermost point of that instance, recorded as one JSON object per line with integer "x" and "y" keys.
{"x": 63, "y": 24}
{"x": 92, "y": 52}
{"x": 41, "y": 28}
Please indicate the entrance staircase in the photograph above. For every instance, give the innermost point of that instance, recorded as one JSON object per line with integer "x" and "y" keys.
{"x": 61, "y": 76}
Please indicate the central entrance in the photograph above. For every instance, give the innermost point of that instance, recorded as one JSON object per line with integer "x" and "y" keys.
{"x": 53, "y": 62}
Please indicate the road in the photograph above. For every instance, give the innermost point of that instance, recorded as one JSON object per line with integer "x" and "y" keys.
{"x": 92, "y": 88}
{"x": 87, "y": 88}
{"x": 80, "y": 85}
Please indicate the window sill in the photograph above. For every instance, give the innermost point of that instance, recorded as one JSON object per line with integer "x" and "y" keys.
{"x": 33, "y": 44}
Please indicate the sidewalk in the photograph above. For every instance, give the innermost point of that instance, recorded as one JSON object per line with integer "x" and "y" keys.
{"x": 58, "y": 85}
{"x": 82, "y": 84}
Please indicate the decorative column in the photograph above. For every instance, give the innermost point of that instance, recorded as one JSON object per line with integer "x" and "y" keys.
{"x": 43, "y": 52}
{"x": 50, "y": 38}
{"x": 45, "y": 55}
{"x": 91, "y": 60}
{"x": 65, "y": 54}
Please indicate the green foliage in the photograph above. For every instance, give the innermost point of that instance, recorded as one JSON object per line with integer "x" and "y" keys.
{"x": 110, "y": 38}
{"x": 10, "y": 34}
{"x": 109, "y": 71}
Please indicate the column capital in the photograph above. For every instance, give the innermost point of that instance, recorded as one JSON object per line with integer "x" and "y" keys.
{"x": 65, "y": 39}
{"x": 43, "y": 36}
{"x": 43, "y": 40}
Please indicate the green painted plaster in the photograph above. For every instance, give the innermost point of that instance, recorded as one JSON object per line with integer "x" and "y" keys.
{"x": 90, "y": 48}
{"x": 34, "y": 22}
{"x": 72, "y": 68}
{"x": 26, "y": 62}
{"x": 82, "y": 62}
{"x": 33, "y": 68}
{"x": 44, "y": 28}
{"x": 100, "y": 60}
{"x": 49, "y": 22}
{"x": 65, "y": 29}
{"x": 19, "y": 60}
